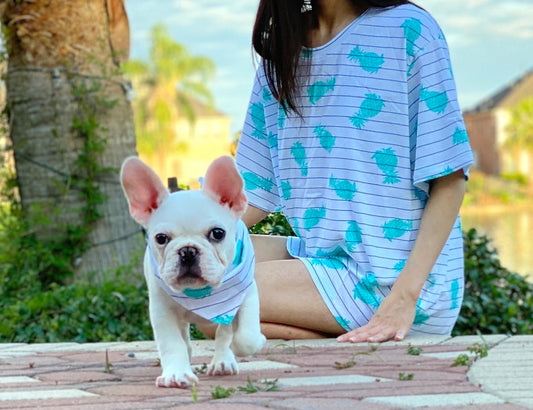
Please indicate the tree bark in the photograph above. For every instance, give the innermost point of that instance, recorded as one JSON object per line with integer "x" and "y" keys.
{"x": 63, "y": 68}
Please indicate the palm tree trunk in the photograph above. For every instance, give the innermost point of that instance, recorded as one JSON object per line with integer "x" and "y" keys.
{"x": 71, "y": 125}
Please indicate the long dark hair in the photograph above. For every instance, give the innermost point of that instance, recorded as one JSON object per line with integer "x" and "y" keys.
{"x": 280, "y": 32}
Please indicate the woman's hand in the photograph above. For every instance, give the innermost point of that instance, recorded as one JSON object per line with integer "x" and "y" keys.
{"x": 392, "y": 320}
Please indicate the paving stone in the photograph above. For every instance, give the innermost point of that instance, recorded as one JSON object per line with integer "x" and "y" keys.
{"x": 17, "y": 379}
{"x": 42, "y": 394}
{"x": 470, "y": 340}
{"x": 436, "y": 400}
{"x": 325, "y": 380}
{"x": 320, "y": 404}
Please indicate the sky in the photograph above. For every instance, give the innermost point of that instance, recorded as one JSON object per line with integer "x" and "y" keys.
{"x": 490, "y": 42}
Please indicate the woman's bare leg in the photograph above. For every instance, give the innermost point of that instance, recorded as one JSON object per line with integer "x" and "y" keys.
{"x": 287, "y": 332}
{"x": 288, "y": 297}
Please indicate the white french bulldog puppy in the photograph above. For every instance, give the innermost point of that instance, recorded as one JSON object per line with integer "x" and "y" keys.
{"x": 199, "y": 266}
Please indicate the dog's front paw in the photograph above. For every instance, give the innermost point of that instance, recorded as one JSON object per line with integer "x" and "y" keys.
{"x": 223, "y": 364}
{"x": 176, "y": 378}
{"x": 248, "y": 343}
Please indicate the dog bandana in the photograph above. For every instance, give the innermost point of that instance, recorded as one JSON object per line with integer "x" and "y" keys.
{"x": 219, "y": 305}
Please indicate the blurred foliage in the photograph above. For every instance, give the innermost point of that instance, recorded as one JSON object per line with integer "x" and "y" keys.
{"x": 496, "y": 300}
{"x": 484, "y": 190}
{"x": 167, "y": 87}
{"x": 273, "y": 224}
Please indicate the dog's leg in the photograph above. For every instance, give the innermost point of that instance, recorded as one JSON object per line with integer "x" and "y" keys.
{"x": 248, "y": 338}
{"x": 223, "y": 362}
{"x": 171, "y": 333}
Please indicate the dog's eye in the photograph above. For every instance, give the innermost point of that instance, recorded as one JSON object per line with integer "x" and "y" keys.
{"x": 217, "y": 234}
{"x": 161, "y": 239}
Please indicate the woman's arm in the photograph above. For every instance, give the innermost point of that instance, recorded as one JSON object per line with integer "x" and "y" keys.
{"x": 253, "y": 215}
{"x": 394, "y": 317}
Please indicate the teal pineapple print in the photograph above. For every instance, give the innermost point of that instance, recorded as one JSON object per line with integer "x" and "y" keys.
{"x": 282, "y": 116}
{"x": 313, "y": 216}
{"x": 337, "y": 252}
{"x": 353, "y": 236}
{"x": 420, "y": 317}
{"x": 366, "y": 291}
{"x": 344, "y": 188}
{"x": 295, "y": 225}
{"x": 387, "y": 162}
{"x": 331, "y": 263}
{"x": 460, "y": 136}
{"x": 435, "y": 101}
{"x": 223, "y": 319}
{"x": 412, "y": 30}
{"x": 345, "y": 323}
{"x": 399, "y": 265}
{"x": 300, "y": 156}
{"x": 368, "y": 61}
{"x": 327, "y": 140}
{"x": 371, "y": 106}
{"x": 267, "y": 95}
{"x": 396, "y": 228}
{"x": 253, "y": 181}
{"x": 319, "y": 89}
{"x": 454, "y": 294}
{"x": 286, "y": 189}
{"x": 257, "y": 114}
{"x": 272, "y": 140}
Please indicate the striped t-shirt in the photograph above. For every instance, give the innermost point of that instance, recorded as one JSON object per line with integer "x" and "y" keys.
{"x": 380, "y": 120}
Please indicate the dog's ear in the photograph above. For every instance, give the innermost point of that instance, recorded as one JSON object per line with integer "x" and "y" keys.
{"x": 143, "y": 188}
{"x": 224, "y": 184}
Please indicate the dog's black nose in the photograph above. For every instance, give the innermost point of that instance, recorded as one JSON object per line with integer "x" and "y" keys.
{"x": 188, "y": 255}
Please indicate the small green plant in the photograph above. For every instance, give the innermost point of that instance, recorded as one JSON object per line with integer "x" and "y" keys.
{"x": 350, "y": 363}
{"x": 194, "y": 393}
{"x": 108, "y": 365}
{"x": 462, "y": 360}
{"x": 413, "y": 351}
{"x": 222, "y": 393}
{"x": 200, "y": 369}
{"x": 268, "y": 385}
{"x": 480, "y": 350}
{"x": 291, "y": 349}
{"x": 405, "y": 376}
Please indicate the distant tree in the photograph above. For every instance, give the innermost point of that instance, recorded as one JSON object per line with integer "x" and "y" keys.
{"x": 520, "y": 128}
{"x": 166, "y": 87}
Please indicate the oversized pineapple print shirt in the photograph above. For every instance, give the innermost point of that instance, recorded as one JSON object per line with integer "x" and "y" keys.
{"x": 380, "y": 120}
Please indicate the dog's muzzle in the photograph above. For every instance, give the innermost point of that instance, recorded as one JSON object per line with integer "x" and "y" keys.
{"x": 189, "y": 271}
{"x": 188, "y": 256}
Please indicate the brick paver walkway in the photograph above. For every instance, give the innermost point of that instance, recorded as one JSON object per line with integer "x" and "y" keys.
{"x": 323, "y": 374}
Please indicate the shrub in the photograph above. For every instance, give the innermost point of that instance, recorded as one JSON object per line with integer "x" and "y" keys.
{"x": 79, "y": 312}
{"x": 496, "y": 300}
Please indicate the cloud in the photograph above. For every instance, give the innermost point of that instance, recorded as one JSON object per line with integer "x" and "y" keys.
{"x": 475, "y": 21}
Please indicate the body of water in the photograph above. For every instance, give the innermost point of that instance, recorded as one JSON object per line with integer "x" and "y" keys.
{"x": 511, "y": 232}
